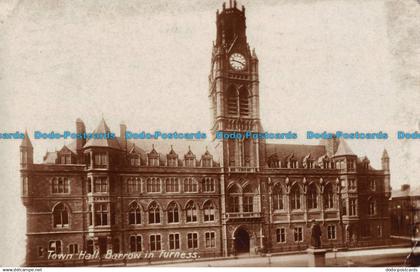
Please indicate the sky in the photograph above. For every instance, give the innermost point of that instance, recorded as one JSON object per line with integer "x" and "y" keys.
{"x": 325, "y": 65}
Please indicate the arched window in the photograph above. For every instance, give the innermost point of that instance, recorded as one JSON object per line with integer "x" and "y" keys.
{"x": 232, "y": 101}
{"x": 329, "y": 197}
{"x": 209, "y": 211}
{"x": 312, "y": 197}
{"x": 153, "y": 185}
{"x": 173, "y": 213}
{"x": 234, "y": 194}
{"x": 191, "y": 210}
{"x": 134, "y": 214}
{"x": 60, "y": 216}
{"x": 295, "y": 197}
{"x": 278, "y": 198}
{"x": 190, "y": 185}
{"x": 243, "y": 102}
{"x": 154, "y": 213}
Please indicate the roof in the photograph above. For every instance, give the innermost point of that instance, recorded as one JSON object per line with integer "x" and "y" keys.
{"x": 344, "y": 149}
{"x": 406, "y": 193}
{"x": 299, "y": 152}
{"x": 103, "y": 142}
{"x": 50, "y": 157}
{"x": 26, "y": 142}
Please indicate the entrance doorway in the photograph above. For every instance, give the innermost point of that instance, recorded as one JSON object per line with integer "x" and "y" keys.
{"x": 242, "y": 241}
{"x": 102, "y": 241}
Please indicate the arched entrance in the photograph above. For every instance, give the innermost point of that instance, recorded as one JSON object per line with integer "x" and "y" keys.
{"x": 242, "y": 241}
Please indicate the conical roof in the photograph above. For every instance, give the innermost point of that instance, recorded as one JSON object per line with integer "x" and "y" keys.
{"x": 344, "y": 149}
{"x": 26, "y": 142}
{"x": 103, "y": 129}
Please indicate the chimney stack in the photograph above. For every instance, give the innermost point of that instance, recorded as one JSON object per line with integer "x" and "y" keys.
{"x": 123, "y": 130}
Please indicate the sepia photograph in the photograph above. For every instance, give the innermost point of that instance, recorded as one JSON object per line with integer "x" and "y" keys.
{"x": 236, "y": 133}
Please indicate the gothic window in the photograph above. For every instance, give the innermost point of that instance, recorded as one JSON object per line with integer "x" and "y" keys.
{"x": 153, "y": 185}
{"x": 278, "y": 198}
{"x": 155, "y": 242}
{"x": 133, "y": 185}
{"x": 248, "y": 203}
{"x": 209, "y": 211}
{"x": 135, "y": 243}
{"x": 173, "y": 213}
{"x": 154, "y": 213}
{"x": 191, "y": 211}
{"x": 172, "y": 185}
{"x": 134, "y": 214}
{"x": 209, "y": 185}
{"x": 329, "y": 197}
{"x": 60, "y": 216}
{"x": 243, "y": 102}
{"x": 55, "y": 246}
{"x": 295, "y": 200}
{"x": 101, "y": 214}
{"x": 312, "y": 197}
{"x": 100, "y": 184}
{"x": 232, "y": 101}
{"x": 190, "y": 185}
{"x": 60, "y": 186}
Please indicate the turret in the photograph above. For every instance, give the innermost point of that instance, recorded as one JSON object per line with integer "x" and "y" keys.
{"x": 387, "y": 177}
{"x": 26, "y": 152}
{"x": 385, "y": 161}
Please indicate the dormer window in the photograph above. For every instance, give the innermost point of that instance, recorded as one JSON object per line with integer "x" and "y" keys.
{"x": 293, "y": 164}
{"x": 172, "y": 162}
{"x": 135, "y": 160}
{"x": 206, "y": 162}
{"x": 189, "y": 163}
{"x": 65, "y": 159}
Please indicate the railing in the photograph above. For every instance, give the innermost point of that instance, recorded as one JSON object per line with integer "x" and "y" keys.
{"x": 240, "y": 169}
{"x": 233, "y": 215}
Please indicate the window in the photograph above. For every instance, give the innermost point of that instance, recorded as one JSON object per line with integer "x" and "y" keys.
{"x": 281, "y": 235}
{"x": 372, "y": 185}
{"x": 60, "y": 216}
{"x": 189, "y": 162}
{"x": 353, "y": 206}
{"x": 192, "y": 240}
{"x": 209, "y": 211}
{"x": 210, "y": 239}
{"x": 100, "y": 184}
{"x": 248, "y": 203}
{"x": 191, "y": 212}
{"x": 25, "y": 186}
{"x": 73, "y": 248}
{"x": 295, "y": 198}
{"x": 133, "y": 185}
{"x": 331, "y": 232}
{"x": 312, "y": 197}
{"x": 379, "y": 230}
{"x": 101, "y": 160}
{"x": 233, "y": 203}
{"x": 134, "y": 214}
{"x": 135, "y": 243}
{"x": 206, "y": 162}
{"x": 329, "y": 197}
{"x": 292, "y": 164}
{"x": 60, "y": 186}
{"x": 154, "y": 214}
{"x": 172, "y": 185}
{"x": 350, "y": 164}
{"x": 135, "y": 160}
{"x": 190, "y": 185}
{"x": 344, "y": 207}
{"x": 209, "y": 185}
{"x": 65, "y": 159}
{"x": 174, "y": 241}
{"x": 278, "y": 198}
{"x": 153, "y": 161}
{"x": 153, "y": 185}
{"x": 101, "y": 214}
{"x": 352, "y": 184}
{"x": 243, "y": 102}
{"x": 298, "y": 234}
{"x": 372, "y": 207}
{"x": 173, "y": 214}
{"x": 155, "y": 242}
{"x": 55, "y": 247}
{"x": 232, "y": 101}
{"x": 40, "y": 251}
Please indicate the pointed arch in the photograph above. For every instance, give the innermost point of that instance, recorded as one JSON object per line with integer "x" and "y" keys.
{"x": 278, "y": 196}
{"x": 60, "y": 213}
{"x": 134, "y": 213}
{"x": 191, "y": 211}
{"x": 295, "y": 196}
{"x": 312, "y": 196}
{"x": 173, "y": 212}
{"x": 209, "y": 210}
{"x": 329, "y": 196}
{"x": 154, "y": 212}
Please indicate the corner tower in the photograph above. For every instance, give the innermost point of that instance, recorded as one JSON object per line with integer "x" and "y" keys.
{"x": 234, "y": 88}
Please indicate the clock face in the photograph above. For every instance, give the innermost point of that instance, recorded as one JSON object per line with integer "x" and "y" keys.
{"x": 237, "y": 61}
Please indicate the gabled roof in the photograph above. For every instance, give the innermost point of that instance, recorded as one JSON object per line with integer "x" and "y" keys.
{"x": 344, "y": 149}
{"x": 104, "y": 142}
{"x": 299, "y": 152}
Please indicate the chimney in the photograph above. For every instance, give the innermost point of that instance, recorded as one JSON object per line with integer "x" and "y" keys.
{"x": 331, "y": 145}
{"x": 123, "y": 130}
{"x": 405, "y": 187}
{"x": 80, "y": 129}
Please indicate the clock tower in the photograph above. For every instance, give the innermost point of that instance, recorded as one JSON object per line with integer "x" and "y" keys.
{"x": 234, "y": 92}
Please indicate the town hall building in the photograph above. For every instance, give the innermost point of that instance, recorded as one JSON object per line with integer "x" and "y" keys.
{"x": 217, "y": 198}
